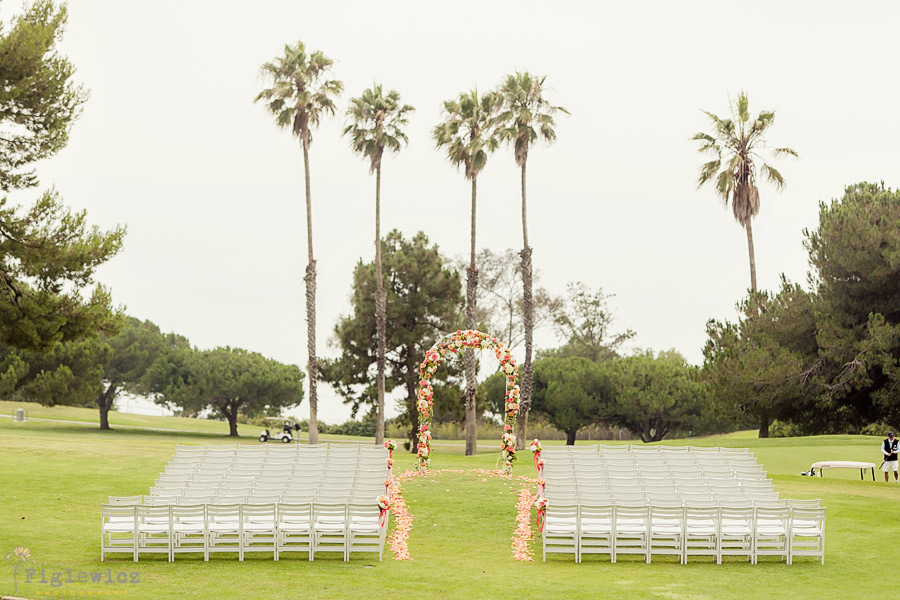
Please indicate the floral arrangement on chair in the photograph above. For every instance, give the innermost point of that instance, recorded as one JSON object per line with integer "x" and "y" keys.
{"x": 536, "y": 451}
{"x": 541, "y": 505}
{"x": 390, "y": 445}
{"x": 457, "y": 342}
{"x": 384, "y": 503}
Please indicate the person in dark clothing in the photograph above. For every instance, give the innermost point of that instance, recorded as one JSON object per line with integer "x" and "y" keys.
{"x": 890, "y": 449}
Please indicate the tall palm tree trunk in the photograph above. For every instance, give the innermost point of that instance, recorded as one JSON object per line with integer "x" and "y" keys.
{"x": 763, "y": 414}
{"x": 528, "y": 310}
{"x": 380, "y": 311}
{"x": 312, "y": 363}
{"x": 752, "y": 256}
{"x": 471, "y": 288}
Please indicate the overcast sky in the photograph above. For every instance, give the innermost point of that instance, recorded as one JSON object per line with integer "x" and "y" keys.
{"x": 172, "y": 146}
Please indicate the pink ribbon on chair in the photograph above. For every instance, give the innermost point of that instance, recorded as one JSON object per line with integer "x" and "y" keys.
{"x": 540, "y": 521}
{"x": 381, "y": 517}
{"x": 537, "y": 457}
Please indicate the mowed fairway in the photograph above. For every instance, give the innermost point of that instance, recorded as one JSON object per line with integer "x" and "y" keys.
{"x": 55, "y": 477}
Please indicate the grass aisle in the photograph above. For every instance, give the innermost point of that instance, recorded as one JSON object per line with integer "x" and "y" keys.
{"x": 55, "y": 477}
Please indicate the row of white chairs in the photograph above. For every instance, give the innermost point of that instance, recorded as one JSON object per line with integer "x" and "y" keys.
{"x": 685, "y": 530}
{"x": 656, "y": 476}
{"x": 278, "y": 459}
{"x": 310, "y": 528}
{"x": 298, "y": 461}
{"x": 268, "y": 477}
{"x": 304, "y": 484}
{"x": 654, "y": 459}
{"x": 685, "y": 479}
{"x": 643, "y": 449}
{"x": 332, "y": 448}
{"x": 218, "y": 471}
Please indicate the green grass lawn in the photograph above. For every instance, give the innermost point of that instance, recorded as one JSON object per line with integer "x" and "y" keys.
{"x": 55, "y": 476}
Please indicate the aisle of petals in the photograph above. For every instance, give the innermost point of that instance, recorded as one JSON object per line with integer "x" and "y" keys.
{"x": 398, "y": 540}
{"x": 522, "y": 536}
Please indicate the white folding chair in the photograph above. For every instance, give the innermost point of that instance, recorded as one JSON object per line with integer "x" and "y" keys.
{"x": 632, "y": 529}
{"x": 560, "y": 534}
{"x": 701, "y": 530}
{"x": 807, "y": 533}
{"x": 189, "y": 530}
{"x": 667, "y": 529}
{"x": 258, "y": 528}
{"x": 118, "y": 529}
{"x": 294, "y": 528}
{"x": 771, "y": 530}
{"x": 596, "y": 529}
{"x": 224, "y": 529}
{"x": 154, "y": 529}
{"x": 735, "y": 530}
{"x": 365, "y": 528}
{"x": 329, "y": 529}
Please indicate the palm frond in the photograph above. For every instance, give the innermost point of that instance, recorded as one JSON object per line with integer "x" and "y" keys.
{"x": 783, "y": 151}
{"x": 772, "y": 175}
{"x": 743, "y": 105}
{"x": 707, "y": 171}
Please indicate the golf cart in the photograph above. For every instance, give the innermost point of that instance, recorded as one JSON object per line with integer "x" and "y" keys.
{"x": 286, "y": 435}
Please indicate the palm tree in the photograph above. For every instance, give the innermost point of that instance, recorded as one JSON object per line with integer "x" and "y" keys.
{"x": 527, "y": 117}
{"x": 467, "y": 134}
{"x": 376, "y": 123}
{"x": 734, "y": 144}
{"x": 299, "y": 97}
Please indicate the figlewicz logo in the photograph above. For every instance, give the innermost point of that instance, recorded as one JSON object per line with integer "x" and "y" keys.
{"x": 19, "y": 558}
{"x": 27, "y": 571}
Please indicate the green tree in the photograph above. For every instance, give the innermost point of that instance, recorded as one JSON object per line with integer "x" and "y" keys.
{"x": 133, "y": 351}
{"x": 47, "y": 254}
{"x": 762, "y": 365}
{"x": 737, "y": 165}
{"x": 89, "y": 372}
{"x": 855, "y": 257}
{"x": 299, "y": 97}
{"x": 423, "y": 297}
{"x": 68, "y": 374}
{"x": 573, "y": 393}
{"x": 230, "y": 381}
{"x": 526, "y": 117}
{"x": 655, "y": 395}
{"x": 467, "y": 135}
{"x": 38, "y": 99}
{"x": 583, "y": 320}
{"x": 376, "y": 123}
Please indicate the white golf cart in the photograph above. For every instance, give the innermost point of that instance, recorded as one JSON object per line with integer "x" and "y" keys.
{"x": 286, "y": 435}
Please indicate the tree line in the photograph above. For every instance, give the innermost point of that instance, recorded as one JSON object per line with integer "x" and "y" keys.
{"x": 223, "y": 383}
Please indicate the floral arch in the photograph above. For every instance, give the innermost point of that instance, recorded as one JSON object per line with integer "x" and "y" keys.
{"x": 456, "y": 343}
